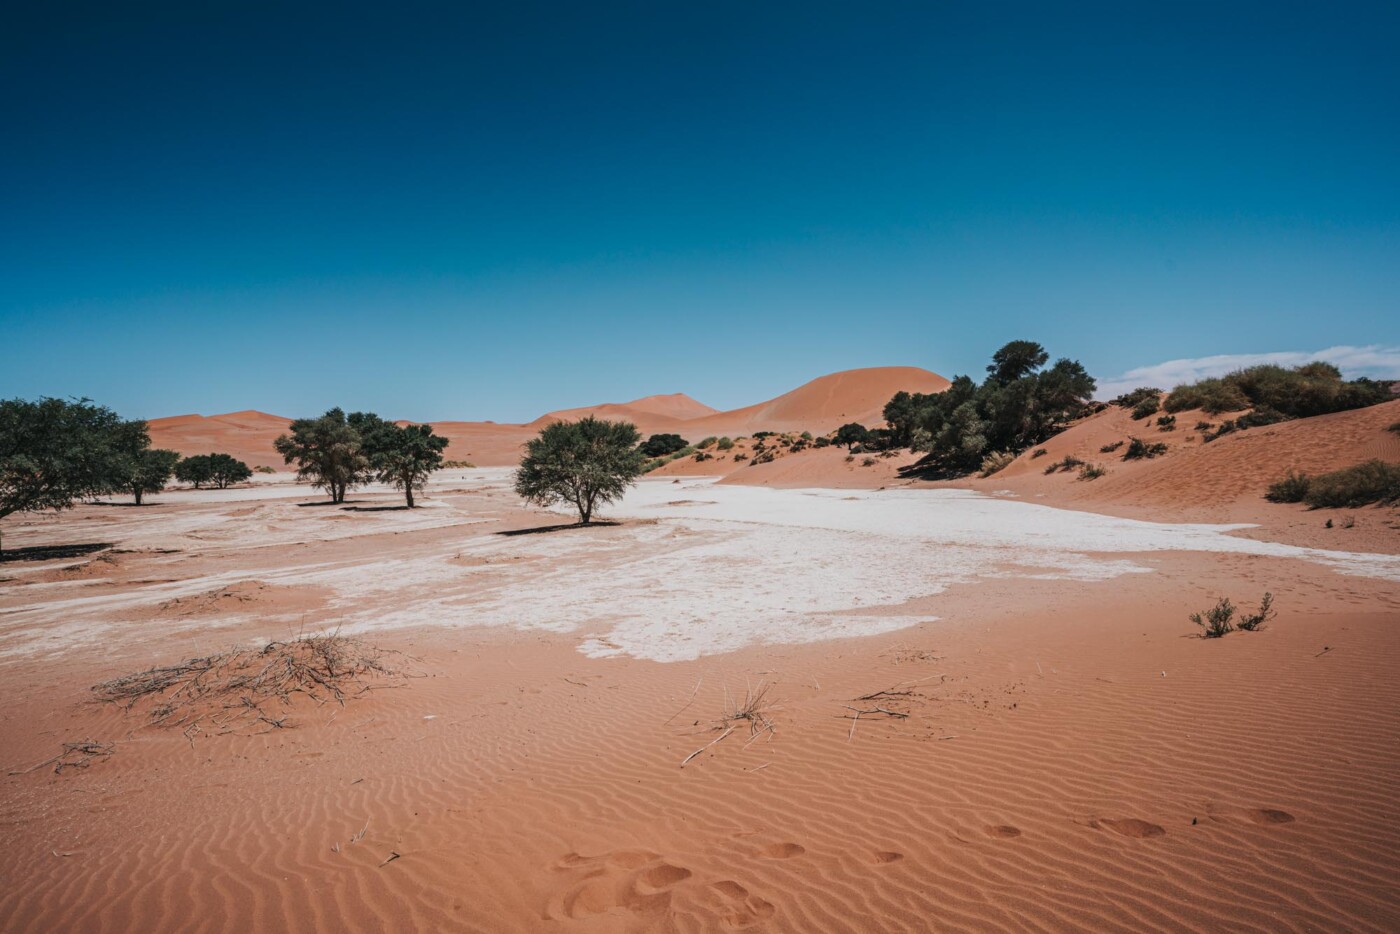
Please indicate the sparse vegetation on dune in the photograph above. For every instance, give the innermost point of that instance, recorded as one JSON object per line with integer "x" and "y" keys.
{"x": 1146, "y": 408}
{"x": 1315, "y": 388}
{"x": 996, "y": 461}
{"x": 1131, "y": 400}
{"x": 1364, "y": 484}
{"x": 1139, "y": 449}
{"x": 1092, "y": 471}
{"x": 1111, "y": 447}
{"x": 1064, "y": 464}
{"x": 1220, "y": 620}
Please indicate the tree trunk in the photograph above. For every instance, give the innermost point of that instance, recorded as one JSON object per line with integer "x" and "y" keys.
{"x": 136, "y": 492}
{"x": 408, "y": 494}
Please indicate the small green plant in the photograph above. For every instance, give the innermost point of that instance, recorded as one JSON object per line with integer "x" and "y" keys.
{"x": 1219, "y": 620}
{"x": 263, "y": 468}
{"x": 1204, "y": 425}
{"x": 707, "y": 442}
{"x": 806, "y": 436}
{"x": 1146, "y": 407}
{"x": 1110, "y": 448}
{"x": 1250, "y": 622}
{"x": 1166, "y": 423}
{"x": 1038, "y": 452}
{"x": 724, "y": 444}
{"x": 1139, "y": 449}
{"x": 741, "y": 456}
{"x": 1069, "y": 462}
{"x": 867, "y": 462}
{"x": 1373, "y": 481}
{"x": 701, "y": 456}
{"x": 1092, "y": 471}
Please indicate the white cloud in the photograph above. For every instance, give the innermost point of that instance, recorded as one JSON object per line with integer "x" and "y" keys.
{"x": 1374, "y": 360}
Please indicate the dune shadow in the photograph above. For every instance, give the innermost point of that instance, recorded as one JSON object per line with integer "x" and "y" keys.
{"x": 541, "y": 529}
{"x": 52, "y": 552}
{"x": 374, "y": 508}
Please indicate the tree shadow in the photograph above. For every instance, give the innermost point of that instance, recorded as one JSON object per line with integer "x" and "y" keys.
{"x": 541, "y": 529}
{"x": 105, "y": 502}
{"x": 374, "y": 508}
{"x": 51, "y": 552}
{"x": 319, "y": 502}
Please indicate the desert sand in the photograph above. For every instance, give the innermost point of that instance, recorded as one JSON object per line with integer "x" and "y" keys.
{"x": 989, "y": 709}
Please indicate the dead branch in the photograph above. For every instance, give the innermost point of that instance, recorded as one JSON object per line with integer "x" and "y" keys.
{"x": 237, "y": 687}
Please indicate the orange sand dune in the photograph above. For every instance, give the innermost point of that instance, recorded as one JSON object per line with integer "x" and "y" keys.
{"x": 819, "y": 406}
{"x": 667, "y": 408}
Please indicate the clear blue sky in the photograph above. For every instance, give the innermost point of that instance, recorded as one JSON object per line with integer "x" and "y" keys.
{"x": 474, "y": 210}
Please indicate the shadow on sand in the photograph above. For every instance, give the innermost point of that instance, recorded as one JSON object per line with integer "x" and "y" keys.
{"x": 372, "y": 508}
{"x": 52, "y": 552}
{"x": 539, "y": 530}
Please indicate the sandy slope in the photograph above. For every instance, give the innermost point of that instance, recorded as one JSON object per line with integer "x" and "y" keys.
{"x": 1071, "y": 758}
{"x": 819, "y": 406}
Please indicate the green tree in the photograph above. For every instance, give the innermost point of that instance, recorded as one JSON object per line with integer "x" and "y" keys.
{"x": 1015, "y": 360}
{"x": 150, "y": 471}
{"x": 225, "y": 469}
{"x": 584, "y": 463}
{"x": 661, "y": 445}
{"x": 327, "y": 452}
{"x": 55, "y": 452}
{"x": 401, "y": 456}
{"x": 196, "y": 470}
{"x": 851, "y": 434}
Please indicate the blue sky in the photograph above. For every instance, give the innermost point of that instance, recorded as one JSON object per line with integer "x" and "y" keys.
{"x": 488, "y": 211}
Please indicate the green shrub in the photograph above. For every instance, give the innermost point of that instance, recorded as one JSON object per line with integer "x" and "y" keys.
{"x": 741, "y": 456}
{"x": 1139, "y": 449}
{"x": 1146, "y": 407}
{"x": 263, "y": 468}
{"x": 1311, "y": 389}
{"x": 455, "y": 465}
{"x": 724, "y": 444}
{"x": 1092, "y": 471}
{"x": 867, "y": 462}
{"x": 707, "y": 442}
{"x": 661, "y": 445}
{"x": 1132, "y": 399}
{"x": 1110, "y": 448}
{"x": 701, "y": 456}
{"x": 806, "y": 436}
{"x": 1217, "y": 621}
{"x": 1291, "y": 489}
{"x": 1166, "y": 423}
{"x": 1204, "y": 425}
{"x": 1038, "y": 452}
{"x": 1373, "y": 481}
{"x": 995, "y": 461}
{"x": 1066, "y": 464}
{"x": 822, "y": 443}
{"x": 1254, "y": 621}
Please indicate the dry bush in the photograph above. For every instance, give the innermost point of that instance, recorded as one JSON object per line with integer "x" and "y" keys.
{"x": 241, "y": 687}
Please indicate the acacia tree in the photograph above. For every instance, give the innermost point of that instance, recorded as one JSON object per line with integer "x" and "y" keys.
{"x": 327, "y": 452}
{"x": 225, "y": 469}
{"x": 401, "y": 456}
{"x": 851, "y": 434}
{"x": 54, "y": 452}
{"x": 585, "y": 463}
{"x": 150, "y": 471}
{"x": 195, "y": 470}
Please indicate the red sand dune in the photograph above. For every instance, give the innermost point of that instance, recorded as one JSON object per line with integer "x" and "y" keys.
{"x": 819, "y": 406}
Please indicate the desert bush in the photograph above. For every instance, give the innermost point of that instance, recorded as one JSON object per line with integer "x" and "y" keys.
{"x": 1217, "y": 621}
{"x": 760, "y": 435}
{"x": 724, "y": 444}
{"x": 1250, "y": 622}
{"x": 741, "y": 456}
{"x": 806, "y": 436}
{"x": 1038, "y": 452}
{"x": 1092, "y": 471}
{"x": 1204, "y": 425}
{"x": 661, "y": 445}
{"x": 1166, "y": 423}
{"x": 1373, "y": 481}
{"x": 1065, "y": 464}
{"x": 458, "y": 465}
{"x": 995, "y": 461}
{"x": 1130, "y": 400}
{"x": 867, "y": 462}
{"x": 822, "y": 442}
{"x": 1110, "y": 448}
{"x": 850, "y": 457}
{"x": 1146, "y": 407}
{"x": 702, "y": 456}
{"x": 1291, "y": 489}
{"x": 707, "y": 442}
{"x": 1311, "y": 389}
{"x": 1139, "y": 449}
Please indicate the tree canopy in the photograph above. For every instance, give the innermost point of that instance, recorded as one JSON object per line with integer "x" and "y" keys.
{"x": 584, "y": 463}
{"x": 54, "y": 452}
{"x": 851, "y": 434}
{"x": 327, "y": 452}
{"x": 661, "y": 445}
{"x": 1017, "y": 406}
{"x": 219, "y": 470}
{"x": 149, "y": 470}
{"x": 403, "y": 456}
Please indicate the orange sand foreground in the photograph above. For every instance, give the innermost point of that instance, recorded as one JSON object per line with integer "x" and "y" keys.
{"x": 1042, "y": 740}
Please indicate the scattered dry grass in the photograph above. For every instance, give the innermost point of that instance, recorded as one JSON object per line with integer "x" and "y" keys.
{"x": 242, "y": 687}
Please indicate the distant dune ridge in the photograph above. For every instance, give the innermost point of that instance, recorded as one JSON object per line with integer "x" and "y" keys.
{"x": 819, "y": 406}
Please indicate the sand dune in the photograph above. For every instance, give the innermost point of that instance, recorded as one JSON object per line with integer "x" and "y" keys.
{"x": 819, "y": 406}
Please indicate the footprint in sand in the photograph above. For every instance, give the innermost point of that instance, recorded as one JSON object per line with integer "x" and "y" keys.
{"x": 782, "y": 850}
{"x": 1129, "y": 827}
{"x": 886, "y": 856}
{"x": 636, "y": 881}
{"x": 1262, "y": 816}
{"x": 738, "y": 907}
{"x": 1004, "y": 831}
